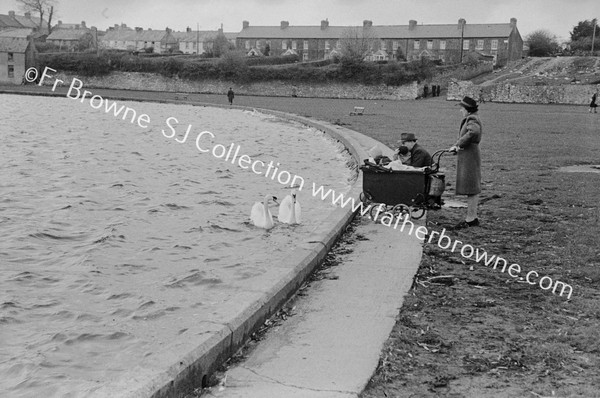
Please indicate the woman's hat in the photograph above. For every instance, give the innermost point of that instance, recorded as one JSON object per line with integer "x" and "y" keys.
{"x": 468, "y": 103}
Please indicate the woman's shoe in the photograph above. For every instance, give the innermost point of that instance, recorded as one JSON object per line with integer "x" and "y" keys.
{"x": 466, "y": 224}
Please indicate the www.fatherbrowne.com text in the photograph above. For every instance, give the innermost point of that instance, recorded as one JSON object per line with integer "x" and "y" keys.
{"x": 231, "y": 153}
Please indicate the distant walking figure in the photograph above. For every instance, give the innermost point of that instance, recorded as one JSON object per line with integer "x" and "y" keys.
{"x": 230, "y": 96}
{"x": 593, "y": 104}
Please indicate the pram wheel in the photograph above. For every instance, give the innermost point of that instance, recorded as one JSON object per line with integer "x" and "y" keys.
{"x": 417, "y": 212}
{"x": 365, "y": 197}
{"x": 376, "y": 211}
{"x": 401, "y": 211}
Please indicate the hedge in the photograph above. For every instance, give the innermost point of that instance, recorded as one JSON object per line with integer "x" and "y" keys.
{"x": 236, "y": 67}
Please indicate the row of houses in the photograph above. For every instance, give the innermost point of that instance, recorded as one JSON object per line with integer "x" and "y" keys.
{"x": 16, "y": 44}
{"x": 162, "y": 41}
{"x": 12, "y": 20}
{"x": 448, "y": 43}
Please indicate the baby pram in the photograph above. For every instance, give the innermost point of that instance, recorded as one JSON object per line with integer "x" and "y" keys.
{"x": 403, "y": 192}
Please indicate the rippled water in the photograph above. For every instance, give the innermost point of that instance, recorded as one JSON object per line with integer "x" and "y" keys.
{"x": 116, "y": 241}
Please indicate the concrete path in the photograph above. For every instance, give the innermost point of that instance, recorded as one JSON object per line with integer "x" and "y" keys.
{"x": 330, "y": 347}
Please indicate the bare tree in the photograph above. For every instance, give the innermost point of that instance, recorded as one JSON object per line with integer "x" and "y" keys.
{"x": 40, "y": 7}
{"x": 356, "y": 43}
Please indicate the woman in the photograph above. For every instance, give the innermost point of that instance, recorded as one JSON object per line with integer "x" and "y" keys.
{"x": 468, "y": 167}
{"x": 593, "y": 104}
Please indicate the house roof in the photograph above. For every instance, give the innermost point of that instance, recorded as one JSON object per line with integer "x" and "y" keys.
{"x": 134, "y": 35}
{"x": 194, "y": 35}
{"x": 20, "y": 21}
{"x": 17, "y": 33}
{"x": 8, "y": 22}
{"x": 13, "y": 45}
{"x": 62, "y": 25}
{"x": 292, "y": 32}
{"x": 230, "y": 35}
{"x": 381, "y": 31}
{"x": 67, "y": 34}
{"x": 27, "y": 22}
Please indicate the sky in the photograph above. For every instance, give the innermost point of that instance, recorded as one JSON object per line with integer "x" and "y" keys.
{"x": 555, "y": 16}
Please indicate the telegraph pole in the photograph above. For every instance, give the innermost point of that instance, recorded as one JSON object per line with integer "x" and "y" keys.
{"x": 197, "y": 38}
{"x": 462, "y": 40}
{"x": 593, "y": 35}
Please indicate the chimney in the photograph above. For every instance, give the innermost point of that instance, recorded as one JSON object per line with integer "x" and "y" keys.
{"x": 461, "y": 23}
{"x": 83, "y": 25}
{"x": 324, "y": 24}
{"x": 168, "y": 30}
{"x": 188, "y": 29}
{"x": 245, "y": 24}
{"x": 11, "y": 14}
{"x": 284, "y": 24}
{"x": 513, "y": 23}
{"x": 139, "y": 29}
{"x": 59, "y": 23}
{"x": 116, "y": 25}
{"x": 28, "y": 15}
{"x": 367, "y": 24}
{"x": 411, "y": 24}
{"x": 123, "y": 26}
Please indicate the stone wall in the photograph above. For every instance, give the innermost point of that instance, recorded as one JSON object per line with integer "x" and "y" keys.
{"x": 576, "y": 94}
{"x": 153, "y": 82}
{"x": 458, "y": 72}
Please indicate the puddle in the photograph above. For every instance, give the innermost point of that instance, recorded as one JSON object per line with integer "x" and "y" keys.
{"x": 584, "y": 168}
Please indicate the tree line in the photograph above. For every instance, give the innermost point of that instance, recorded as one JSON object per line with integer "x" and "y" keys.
{"x": 584, "y": 39}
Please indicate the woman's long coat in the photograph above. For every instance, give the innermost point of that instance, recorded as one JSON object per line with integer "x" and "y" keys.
{"x": 468, "y": 168}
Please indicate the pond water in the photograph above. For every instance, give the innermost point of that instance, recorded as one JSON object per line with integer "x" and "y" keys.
{"x": 116, "y": 241}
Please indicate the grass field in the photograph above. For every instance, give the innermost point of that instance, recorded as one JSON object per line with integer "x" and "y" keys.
{"x": 483, "y": 333}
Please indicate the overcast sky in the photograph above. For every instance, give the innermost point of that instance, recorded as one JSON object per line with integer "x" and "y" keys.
{"x": 556, "y": 16}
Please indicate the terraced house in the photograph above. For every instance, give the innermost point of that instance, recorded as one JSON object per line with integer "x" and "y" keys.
{"x": 16, "y": 55}
{"x": 12, "y": 20}
{"x": 138, "y": 39}
{"x": 447, "y": 42}
{"x": 71, "y": 37}
{"x": 200, "y": 41}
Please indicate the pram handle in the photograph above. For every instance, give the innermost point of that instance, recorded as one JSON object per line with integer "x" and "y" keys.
{"x": 435, "y": 160}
